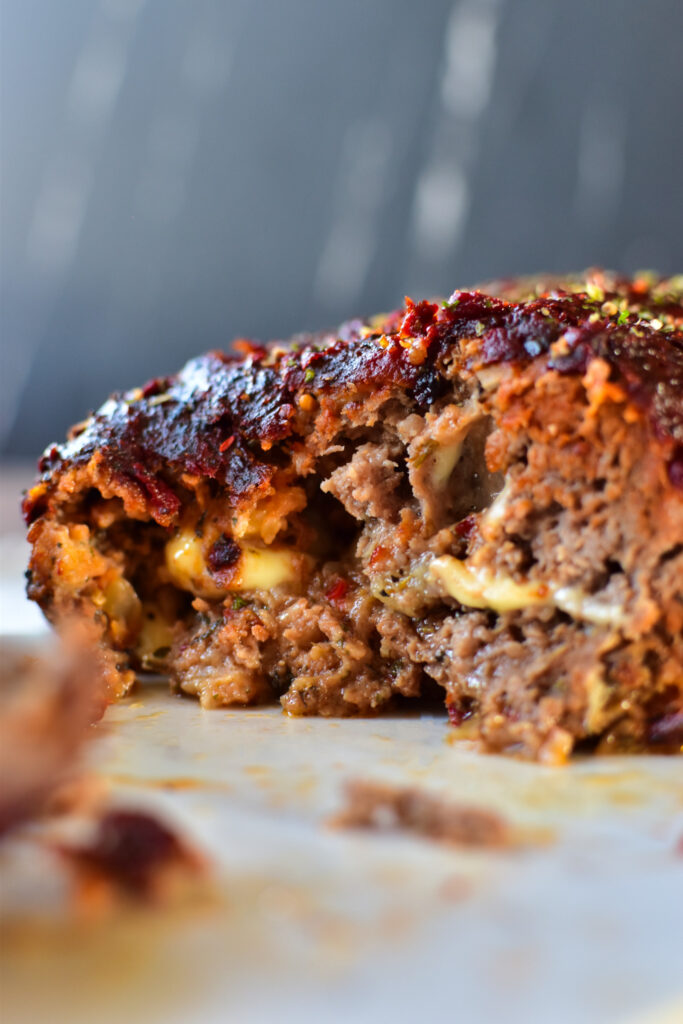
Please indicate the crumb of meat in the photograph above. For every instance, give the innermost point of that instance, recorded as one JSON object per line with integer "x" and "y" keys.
{"x": 378, "y": 805}
{"x": 132, "y": 855}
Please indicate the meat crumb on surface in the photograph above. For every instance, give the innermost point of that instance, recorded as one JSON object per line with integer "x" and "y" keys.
{"x": 132, "y": 855}
{"x": 382, "y": 806}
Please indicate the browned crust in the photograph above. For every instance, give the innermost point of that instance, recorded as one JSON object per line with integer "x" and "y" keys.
{"x": 223, "y": 417}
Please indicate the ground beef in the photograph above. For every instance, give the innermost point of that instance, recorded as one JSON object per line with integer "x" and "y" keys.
{"x": 484, "y": 494}
{"x": 369, "y": 485}
{"x": 321, "y": 656}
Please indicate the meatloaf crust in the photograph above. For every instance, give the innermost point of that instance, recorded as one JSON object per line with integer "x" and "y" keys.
{"x": 485, "y": 492}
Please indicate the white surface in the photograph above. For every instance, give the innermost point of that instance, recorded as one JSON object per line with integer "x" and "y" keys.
{"x": 18, "y": 617}
{"x": 587, "y": 925}
{"x": 308, "y": 924}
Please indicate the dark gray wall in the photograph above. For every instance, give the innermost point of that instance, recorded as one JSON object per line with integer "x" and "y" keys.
{"x": 179, "y": 172}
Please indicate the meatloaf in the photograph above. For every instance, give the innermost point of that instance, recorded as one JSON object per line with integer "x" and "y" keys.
{"x": 485, "y": 493}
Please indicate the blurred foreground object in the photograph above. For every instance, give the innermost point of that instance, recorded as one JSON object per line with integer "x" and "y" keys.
{"x": 132, "y": 855}
{"x": 47, "y": 704}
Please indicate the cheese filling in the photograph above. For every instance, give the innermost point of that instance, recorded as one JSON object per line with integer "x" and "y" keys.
{"x": 438, "y": 460}
{"x": 263, "y": 568}
{"x": 479, "y": 588}
{"x": 257, "y": 568}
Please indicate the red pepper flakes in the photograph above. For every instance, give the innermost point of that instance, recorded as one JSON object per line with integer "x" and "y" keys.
{"x": 460, "y": 712}
{"x": 337, "y": 591}
{"x": 154, "y": 387}
{"x": 419, "y": 316}
{"x": 466, "y": 527}
{"x": 259, "y": 399}
{"x": 227, "y": 443}
{"x": 377, "y": 555}
{"x": 249, "y": 348}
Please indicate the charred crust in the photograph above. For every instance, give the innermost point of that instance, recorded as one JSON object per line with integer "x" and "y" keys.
{"x": 224, "y": 554}
{"x": 221, "y": 415}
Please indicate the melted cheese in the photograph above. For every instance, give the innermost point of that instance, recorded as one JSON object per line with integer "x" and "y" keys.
{"x": 265, "y": 568}
{"x": 445, "y": 459}
{"x": 437, "y": 461}
{"x": 187, "y": 566}
{"x": 479, "y": 588}
{"x": 154, "y": 639}
{"x": 270, "y": 516}
{"x": 258, "y": 568}
{"x": 121, "y": 601}
{"x": 496, "y": 511}
{"x": 575, "y": 602}
{"x": 116, "y": 597}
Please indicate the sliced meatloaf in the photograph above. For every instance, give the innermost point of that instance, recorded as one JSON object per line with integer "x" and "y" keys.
{"x": 485, "y": 492}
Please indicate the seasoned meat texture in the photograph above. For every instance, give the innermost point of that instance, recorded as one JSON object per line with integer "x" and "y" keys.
{"x": 485, "y": 492}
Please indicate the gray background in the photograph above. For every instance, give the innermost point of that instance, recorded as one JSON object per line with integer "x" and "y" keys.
{"x": 179, "y": 172}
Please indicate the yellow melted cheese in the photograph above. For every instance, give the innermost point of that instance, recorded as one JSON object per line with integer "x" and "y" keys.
{"x": 265, "y": 568}
{"x": 258, "y": 568}
{"x": 479, "y": 588}
{"x": 187, "y": 566}
{"x": 575, "y": 602}
{"x": 445, "y": 459}
{"x": 154, "y": 639}
{"x": 437, "y": 461}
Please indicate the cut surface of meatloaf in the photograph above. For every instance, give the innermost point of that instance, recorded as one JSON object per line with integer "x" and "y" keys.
{"x": 485, "y": 492}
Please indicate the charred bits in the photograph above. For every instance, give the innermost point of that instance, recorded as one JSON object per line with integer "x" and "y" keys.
{"x": 224, "y": 554}
{"x": 131, "y": 851}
